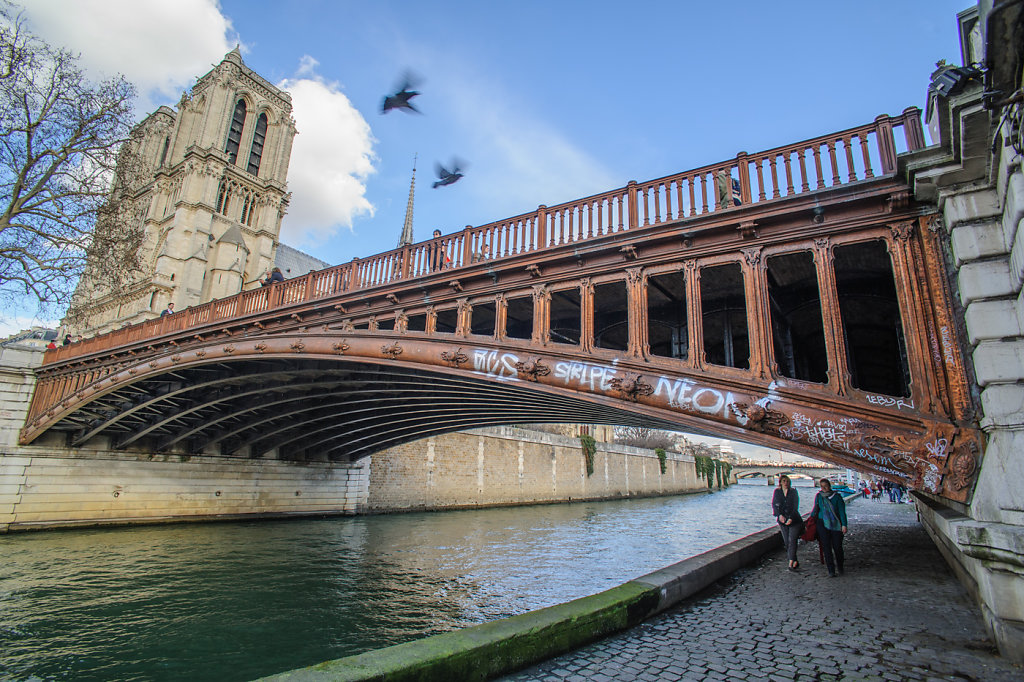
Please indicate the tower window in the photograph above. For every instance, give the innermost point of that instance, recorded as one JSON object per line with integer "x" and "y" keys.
{"x": 256, "y": 152}
{"x": 235, "y": 132}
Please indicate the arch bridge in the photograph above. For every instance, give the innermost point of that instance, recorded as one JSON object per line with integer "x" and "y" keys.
{"x": 811, "y": 313}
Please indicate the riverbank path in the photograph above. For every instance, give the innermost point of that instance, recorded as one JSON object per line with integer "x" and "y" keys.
{"x": 898, "y": 613}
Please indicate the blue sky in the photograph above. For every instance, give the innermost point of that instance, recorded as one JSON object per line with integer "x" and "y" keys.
{"x": 546, "y": 101}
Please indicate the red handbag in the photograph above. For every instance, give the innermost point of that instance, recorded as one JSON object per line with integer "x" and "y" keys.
{"x": 810, "y": 530}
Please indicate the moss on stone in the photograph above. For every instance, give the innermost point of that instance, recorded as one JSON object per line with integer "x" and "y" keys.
{"x": 501, "y": 646}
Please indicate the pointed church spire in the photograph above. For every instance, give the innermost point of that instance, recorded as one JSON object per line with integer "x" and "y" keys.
{"x": 406, "y": 237}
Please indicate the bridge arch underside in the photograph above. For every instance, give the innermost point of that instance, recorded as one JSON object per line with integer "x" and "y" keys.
{"x": 326, "y": 395}
{"x": 318, "y": 409}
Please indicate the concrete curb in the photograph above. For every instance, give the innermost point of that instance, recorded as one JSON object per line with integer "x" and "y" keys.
{"x": 485, "y": 651}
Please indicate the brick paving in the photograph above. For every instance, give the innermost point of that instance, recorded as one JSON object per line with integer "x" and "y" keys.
{"x": 897, "y": 614}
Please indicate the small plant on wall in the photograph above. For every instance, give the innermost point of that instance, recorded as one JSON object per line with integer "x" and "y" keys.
{"x": 589, "y": 449}
{"x": 660, "y": 452}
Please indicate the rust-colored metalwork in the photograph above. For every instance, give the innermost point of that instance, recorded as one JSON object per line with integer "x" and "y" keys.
{"x": 813, "y": 316}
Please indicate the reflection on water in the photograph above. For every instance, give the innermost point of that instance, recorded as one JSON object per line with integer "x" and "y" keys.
{"x": 235, "y": 601}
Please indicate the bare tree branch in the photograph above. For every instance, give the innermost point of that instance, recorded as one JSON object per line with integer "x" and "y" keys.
{"x": 62, "y": 150}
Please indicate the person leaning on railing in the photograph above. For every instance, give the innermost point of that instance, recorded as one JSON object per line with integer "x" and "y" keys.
{"x": 272, "y": 277}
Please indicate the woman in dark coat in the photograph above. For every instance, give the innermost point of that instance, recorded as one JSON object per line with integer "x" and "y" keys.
{"x": 786, "y": 508}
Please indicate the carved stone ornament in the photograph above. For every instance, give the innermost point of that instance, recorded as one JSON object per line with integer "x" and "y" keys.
{"x": 762, "y": 418}
{"x": 962, "y": 465}
{"x": 340, "y": 347}
{"x": 394, "y": 350}
{"x": 632, "y": 387}
{"x": 133, "y": 371}
{"x": 200, "y": 354}
{"x": 175, "y": 359}
{"x": 533, "y": 270}
{"x": 392, "y": 299}
{"x": 229, "y": 349}
{"x": 752, "y": 256}
{"x": 628, "y": 252}
{"x": 260, "y": 347}
{"x": 455, "y": 357}
{"x": 902, "y": 230}
{"x": 153, "y": 364}
{"x": 347, "y": 326}
{"x": 340, "y": 308}
{"x": 296, "y": 317}
{"x": 298, "y": 346}
{"x": 455, "y": 284}
{"x": 533, "y": 369}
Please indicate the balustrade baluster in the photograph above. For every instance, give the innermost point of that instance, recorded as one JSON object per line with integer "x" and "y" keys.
{"x": 802, "y": 158}
{"x": 657, "y": 203}
{"x": 668, "y": 201}
{"x": 622, "y": 203}
{"x": 693, "y": 201}
{"x": 646, "y": 200}
{"x": 703, "y": 193}
{"x": 680, "y": 214}
{"x": 515, "y": 237}
{"x": 863, "y": 139}
{"x": 848, "y": 142}
{"x": 831, "y": 145}
{"x": 773, "y": 165}
{"x": 761, "y": 196}
{"x": 816, "y": 150}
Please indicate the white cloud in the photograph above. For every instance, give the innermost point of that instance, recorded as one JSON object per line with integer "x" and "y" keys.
{"x": 161, "y": 47}
{"x": 331, "y": 159}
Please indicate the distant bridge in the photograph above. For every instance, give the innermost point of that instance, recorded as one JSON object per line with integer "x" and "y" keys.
{"x": 771, "y": 471}
{"x": 813, "y": 316}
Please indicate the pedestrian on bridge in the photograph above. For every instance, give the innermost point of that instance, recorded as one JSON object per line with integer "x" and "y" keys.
{"x": 830, "y": 512}
{"x": 786, "y": 508}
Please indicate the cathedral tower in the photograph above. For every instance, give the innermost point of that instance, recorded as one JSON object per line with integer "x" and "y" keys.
{"x": 212, "y": 200}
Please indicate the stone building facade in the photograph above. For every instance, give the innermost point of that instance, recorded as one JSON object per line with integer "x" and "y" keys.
{"x": 213, "y": 194}
{"x": 974, "y": 176}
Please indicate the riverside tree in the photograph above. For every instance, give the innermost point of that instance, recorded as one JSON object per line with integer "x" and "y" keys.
{"x": 66, "y": 201}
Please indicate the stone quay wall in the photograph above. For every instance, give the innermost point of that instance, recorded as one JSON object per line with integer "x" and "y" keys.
{"x": 504, "y": 465}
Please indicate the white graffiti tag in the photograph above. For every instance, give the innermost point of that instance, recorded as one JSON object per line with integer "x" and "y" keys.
{"x": 889, "y": 401}
{"x": 495, "y": 364}
{"x": 585, "y": 375}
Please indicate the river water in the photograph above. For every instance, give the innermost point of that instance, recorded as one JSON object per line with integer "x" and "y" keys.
{"x": 236, "y": 601}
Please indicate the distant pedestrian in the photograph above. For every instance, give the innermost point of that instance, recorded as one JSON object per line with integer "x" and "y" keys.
{"x": 830, "y": 512}
{"x": 67, "y": 340}
{"x": 169, "y": 310}
{"x": 273, "y": 277}
{"x": 437, "y": 253}
{"x": 52, "y": 345}
{"x": 728, "y": 189}
{"x": 786, "y": 508}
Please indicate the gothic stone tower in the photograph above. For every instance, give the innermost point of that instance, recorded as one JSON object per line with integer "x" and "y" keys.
{"x": 213, "y": 204}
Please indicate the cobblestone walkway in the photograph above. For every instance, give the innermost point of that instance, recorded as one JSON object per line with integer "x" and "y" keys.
{"x": 897, "y": 614}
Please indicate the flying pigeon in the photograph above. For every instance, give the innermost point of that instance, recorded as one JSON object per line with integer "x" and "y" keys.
{"x": 400, "y": 100}
{"x": 448, "y": 177}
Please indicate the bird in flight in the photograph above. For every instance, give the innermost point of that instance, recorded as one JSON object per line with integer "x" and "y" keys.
{"x": 400, "y": 100}
{"x": 448, "y": 177}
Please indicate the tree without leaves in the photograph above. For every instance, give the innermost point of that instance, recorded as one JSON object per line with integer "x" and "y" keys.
{"x": 67, "y": 202}
{"x": 641, "y": 437}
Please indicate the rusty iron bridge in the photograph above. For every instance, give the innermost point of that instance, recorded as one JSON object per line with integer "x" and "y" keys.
{"x": 811, "y": 313}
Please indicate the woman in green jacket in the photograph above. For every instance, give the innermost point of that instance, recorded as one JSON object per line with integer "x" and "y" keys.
{"x": 830, "y": 512}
